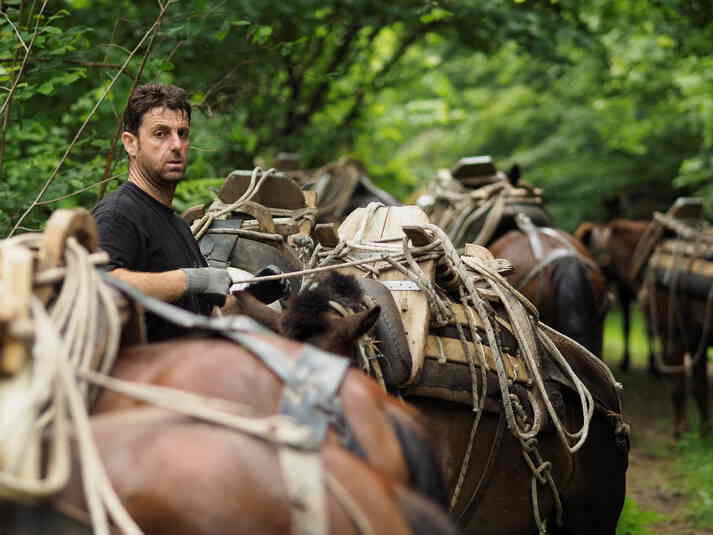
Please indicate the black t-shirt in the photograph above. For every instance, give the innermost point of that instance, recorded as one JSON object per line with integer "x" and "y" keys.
{"x": 142, "y": 234}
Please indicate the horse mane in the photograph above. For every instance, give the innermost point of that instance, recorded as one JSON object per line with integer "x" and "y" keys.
{"x": 306, "y": 311}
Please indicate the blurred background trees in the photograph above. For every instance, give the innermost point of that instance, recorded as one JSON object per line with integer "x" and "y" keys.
{"x": 605, "y": 105}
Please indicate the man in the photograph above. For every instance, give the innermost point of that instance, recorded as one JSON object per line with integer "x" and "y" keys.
{"x": 149, "y": 245}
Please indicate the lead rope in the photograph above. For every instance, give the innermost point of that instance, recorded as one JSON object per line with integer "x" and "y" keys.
{"x": 519, "y": 311}
{"x": 201, "y": 226}
{"x": 62, "y": 354}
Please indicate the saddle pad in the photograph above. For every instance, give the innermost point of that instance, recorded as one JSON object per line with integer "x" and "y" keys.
{"x": 444, "y": 349}
{"x": 386, "y": 225}
{"x": 671, "y": 267}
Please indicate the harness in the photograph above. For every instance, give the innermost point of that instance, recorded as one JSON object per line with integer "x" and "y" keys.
{"x": 403, "y": 257}
{"x": 309, "y": 398}
{"x": 566, "y": 250}
{"x": 309, "y": 403}
{"x": 457, "y": 203}
{"x": 675, "y": 254}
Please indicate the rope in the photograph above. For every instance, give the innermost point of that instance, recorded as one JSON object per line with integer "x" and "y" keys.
{"x": 693, "y": 233}
{"x": 464, "y": 206}
{"x": 219, "y": 210}
{"x": 479, "y": 284}
{"x": 81, "y": 319}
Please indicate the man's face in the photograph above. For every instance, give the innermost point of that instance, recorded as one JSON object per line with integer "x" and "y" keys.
{"x": 161, "y": 147}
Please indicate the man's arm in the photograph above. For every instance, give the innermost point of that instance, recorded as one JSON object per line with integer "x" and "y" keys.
{"x": 167, "y": 286}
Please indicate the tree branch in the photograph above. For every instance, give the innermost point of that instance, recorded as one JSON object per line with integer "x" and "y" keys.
{"x": 52, "y": 177}
{"x": 5, "y": 108}
{"x": 318, "y": 96}
{"x": 119, "y": 126}
{"x": 24, "y": 60}
{"x": 375, "y": 84}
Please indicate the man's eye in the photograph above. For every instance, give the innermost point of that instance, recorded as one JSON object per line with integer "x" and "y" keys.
{"x": 159, "y": 133}
{"x": 183, "y": 134}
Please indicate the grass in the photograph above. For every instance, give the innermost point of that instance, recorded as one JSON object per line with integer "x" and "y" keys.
{"x": 693, "y": 456}
{"x": 636, "y": 521}
{"x": 614, "y": 339}
{"x": 696, "y": 463}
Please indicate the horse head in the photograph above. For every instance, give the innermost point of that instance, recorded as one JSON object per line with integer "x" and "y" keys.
{"x": 328, "y": 314}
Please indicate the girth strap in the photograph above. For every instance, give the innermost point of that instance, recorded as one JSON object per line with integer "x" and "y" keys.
{"x": 532, "y": 232}
{"x": 309, "y": 397}
{"x": 310, "y": 394}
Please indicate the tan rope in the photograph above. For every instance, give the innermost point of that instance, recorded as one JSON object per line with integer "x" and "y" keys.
{"x": 524, "y": 325}
{"x": 67, "y": 336}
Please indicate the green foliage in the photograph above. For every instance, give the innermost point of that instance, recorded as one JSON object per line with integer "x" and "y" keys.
{"x": 604, "y": 104}
{"x": 197, "y": 191}
{"x": 636, "y": 521}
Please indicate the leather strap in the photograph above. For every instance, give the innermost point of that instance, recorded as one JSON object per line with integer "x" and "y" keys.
{"x": 309, "y": 397}
{"x": 466, "y": 515}
{"x": 217, "y": 248}
{"x": 310, "y": 393}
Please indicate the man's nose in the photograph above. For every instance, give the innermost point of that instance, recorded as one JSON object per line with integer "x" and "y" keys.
{"x": 175, "y": 142}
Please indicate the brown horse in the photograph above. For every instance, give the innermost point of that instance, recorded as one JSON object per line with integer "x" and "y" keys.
{"x": 683, "y": 323}
{"x": 476, "y": 204}
{"x": 612, "y": 245}
{"x": 677, "y": 317}
{"x": 178, "y": 475}
{"x": 557, "y": 273}
{"x": 496, "y": 495}
{"x": 388, "y": 433}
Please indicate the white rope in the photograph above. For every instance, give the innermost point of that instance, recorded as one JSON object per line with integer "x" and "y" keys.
{"x": 524, "y": 324}
{"x": 82, "y": 319}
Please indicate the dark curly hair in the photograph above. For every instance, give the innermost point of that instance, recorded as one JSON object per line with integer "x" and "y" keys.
{"x": 148, "y": 96}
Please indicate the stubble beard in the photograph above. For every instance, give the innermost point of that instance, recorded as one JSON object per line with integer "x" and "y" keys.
{"x": 156, "y": 177}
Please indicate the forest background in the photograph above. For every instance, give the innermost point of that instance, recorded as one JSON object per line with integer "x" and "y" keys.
{"x": 605, "y": 104}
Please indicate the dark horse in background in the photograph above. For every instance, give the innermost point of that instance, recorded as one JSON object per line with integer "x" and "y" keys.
{"x": 674, "y": 309}
{"x": 555, "y": 275}
{"x": 496, "y": 494}
{"x": 612, "y": 245}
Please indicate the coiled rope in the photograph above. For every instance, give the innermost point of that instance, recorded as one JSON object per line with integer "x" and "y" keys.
{"x": 56, "y": 386}
{"x": 523, "y": 322}
{"x": 219, "y": 210}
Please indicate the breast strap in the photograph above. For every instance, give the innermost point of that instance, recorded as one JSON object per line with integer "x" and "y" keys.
{"x": 309, "y": 397}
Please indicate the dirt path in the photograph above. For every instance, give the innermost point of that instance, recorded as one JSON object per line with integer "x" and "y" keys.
{"x": 652, "y": 479}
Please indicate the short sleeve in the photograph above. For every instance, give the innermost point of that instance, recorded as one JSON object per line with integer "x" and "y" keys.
{"x": 120, "y": 238}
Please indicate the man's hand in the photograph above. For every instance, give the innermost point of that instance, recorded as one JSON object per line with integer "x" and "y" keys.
{"x": 265, "y": 291}
{"x": 208, "y": 281}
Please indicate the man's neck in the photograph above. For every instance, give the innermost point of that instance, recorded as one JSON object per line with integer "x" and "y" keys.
{"x": 162, "y": 192}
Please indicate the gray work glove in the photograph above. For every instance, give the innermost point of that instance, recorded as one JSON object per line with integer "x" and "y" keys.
{"x": 208, "y": 280}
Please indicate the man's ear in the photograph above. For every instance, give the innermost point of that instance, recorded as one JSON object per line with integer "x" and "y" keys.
{"x": 130, "y": 142}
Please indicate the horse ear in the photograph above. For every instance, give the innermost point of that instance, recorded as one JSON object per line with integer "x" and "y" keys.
{"x": 353, "y": 327}
{"x": 514, "y": 174}
{"x": 248, "y": 304}
{"x": 584, "y": 233}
